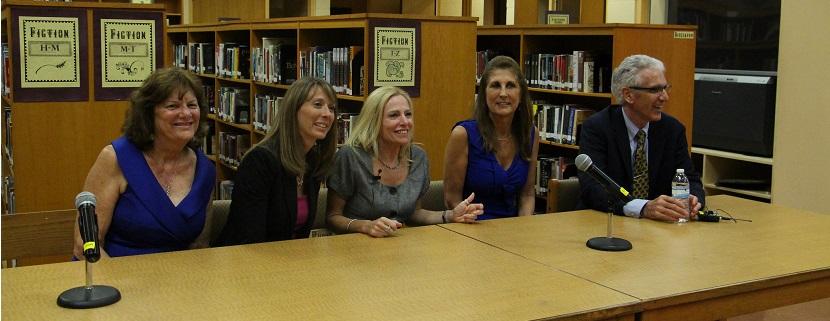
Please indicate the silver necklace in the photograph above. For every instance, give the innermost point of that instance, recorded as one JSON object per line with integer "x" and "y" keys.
{"x": 391, "y": 168}
{"x": 167, "y": 178}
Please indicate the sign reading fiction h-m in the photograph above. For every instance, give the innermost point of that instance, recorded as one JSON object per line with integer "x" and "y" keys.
{"x": 49, "y": 52}
{"x": 127, "y": 52}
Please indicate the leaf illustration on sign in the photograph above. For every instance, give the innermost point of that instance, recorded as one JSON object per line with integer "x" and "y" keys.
{"x": 58, "y": 66}
{"x": 131, "y": 68}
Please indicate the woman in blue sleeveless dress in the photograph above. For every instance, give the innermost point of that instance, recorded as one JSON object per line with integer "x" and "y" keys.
{"x": 154, "y": 185}
{"x": 494, "y": 154}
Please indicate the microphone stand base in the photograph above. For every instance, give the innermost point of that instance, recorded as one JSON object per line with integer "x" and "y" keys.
{"x": 84, "y": 297}
{"x": 611, "y": 244}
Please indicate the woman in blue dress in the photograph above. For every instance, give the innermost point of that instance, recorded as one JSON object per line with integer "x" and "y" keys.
{"x": 153, "y": 184}
{"x": 494, "y": 154}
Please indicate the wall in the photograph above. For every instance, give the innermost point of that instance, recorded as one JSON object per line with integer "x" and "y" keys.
{"x": 620, "y": 11}
{"x": 802, "y": 138}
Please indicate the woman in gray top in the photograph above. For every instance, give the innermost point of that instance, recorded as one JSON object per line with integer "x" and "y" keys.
{"x": 379, "y": 176}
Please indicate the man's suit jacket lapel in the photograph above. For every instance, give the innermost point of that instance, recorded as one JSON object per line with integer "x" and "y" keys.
{"x": 620, "y": 133}
{"x": 656, "y": 142}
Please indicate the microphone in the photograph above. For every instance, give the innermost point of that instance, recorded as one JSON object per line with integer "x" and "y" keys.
{"x": 585, "y": 164}
{"x": 605, "y": 243}
{"x": 88, "y": 225}
{"x": 90, "y": 295}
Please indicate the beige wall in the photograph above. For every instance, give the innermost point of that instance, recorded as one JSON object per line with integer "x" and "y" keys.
{"x": 802, "y": 134}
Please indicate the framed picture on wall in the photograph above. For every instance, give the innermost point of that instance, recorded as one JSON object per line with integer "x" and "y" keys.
{"x": 50, "y": 51}
{"x": 128, "y": 48}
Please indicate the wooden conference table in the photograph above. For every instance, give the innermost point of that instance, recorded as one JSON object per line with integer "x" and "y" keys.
{"x": 425, "y": 273}
{"x": 689, "y": 271}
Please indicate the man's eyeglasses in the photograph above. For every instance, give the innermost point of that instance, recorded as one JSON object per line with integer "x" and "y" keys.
{"x": 655, "y": 89}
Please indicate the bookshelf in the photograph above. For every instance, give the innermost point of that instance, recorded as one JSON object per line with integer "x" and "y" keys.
{"x": 444, "y": 41}
{"x": 716, "y": 165}
{"x": 54, "y": 143}
{"x": 608, "y": 45}
{"x": 581, "y": 11}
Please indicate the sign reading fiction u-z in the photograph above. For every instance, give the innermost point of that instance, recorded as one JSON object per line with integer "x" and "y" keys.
{"x": 127, "y": 52}
{"x": 49, "y": 52}
{"x": 395, "y": 56}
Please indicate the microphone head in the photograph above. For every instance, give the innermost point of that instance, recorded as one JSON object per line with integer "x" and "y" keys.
{"x": 583, "y": 162}
{"x": 85, "y": 198}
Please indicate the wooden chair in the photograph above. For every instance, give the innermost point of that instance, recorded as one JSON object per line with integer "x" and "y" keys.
{"x": 37, "y": 237}
{"x": 563, "y": 195}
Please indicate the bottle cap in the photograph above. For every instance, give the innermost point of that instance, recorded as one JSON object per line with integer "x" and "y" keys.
{"x": 681, "y": 171}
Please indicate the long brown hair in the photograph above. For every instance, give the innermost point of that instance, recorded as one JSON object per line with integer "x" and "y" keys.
{"x": 523, "y": 117}
{"x": 284, "y": 139}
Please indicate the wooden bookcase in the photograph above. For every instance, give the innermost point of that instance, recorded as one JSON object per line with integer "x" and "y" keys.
{"x": 610, "y": 43}
{"x": 55, "y": 143}
{"x": 444, "y": 88}
{"x": 528, "y": 12}
{"x": 716, "y": 165}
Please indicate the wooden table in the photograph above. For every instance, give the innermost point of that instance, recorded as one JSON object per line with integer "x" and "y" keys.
{"x": 689, "y": 271}
{"x": 425, "y": 273}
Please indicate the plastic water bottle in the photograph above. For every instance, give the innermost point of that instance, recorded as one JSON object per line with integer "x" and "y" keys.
{"x": 680, "y": 191}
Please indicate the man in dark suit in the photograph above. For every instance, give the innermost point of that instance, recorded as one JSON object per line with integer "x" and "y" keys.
{"x": 638, "y": 146}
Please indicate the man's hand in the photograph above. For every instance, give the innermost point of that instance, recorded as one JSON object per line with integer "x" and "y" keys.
{"x": 667, "y": 208}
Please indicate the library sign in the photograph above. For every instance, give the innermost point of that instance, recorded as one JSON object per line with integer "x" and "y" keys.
{"x": 396, "y": 61}
{"x": 49, "y": 52}
{"x": 127, "y": 52}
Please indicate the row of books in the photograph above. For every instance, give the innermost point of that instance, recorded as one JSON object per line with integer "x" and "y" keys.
{"x": 7, "y": 129}
{"x": 482, "y": 57}
{"x": 265, "y": 111}
{"x": 209, "y": 141}
{"x": 561, "y": 123}
{"x": 346, "y": 122}
{"x": 7, "y": 71}
{"x": 232, "y": 146}
{"x": 568, "y": 72}
{"x": 228, "y": 59}
{"x": 8, "y": 194}
{"x": 276, "y": 61}
{"x": 233, "y": 105}
{"x": 199, "y": 57}
{"x": 233, "y": 60}
{"x": 553, "y": 167}
{"x": 210, "y": 97}
{"x": 342, "y": 67}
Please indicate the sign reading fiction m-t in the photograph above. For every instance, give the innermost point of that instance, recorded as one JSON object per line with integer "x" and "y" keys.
{"x": 49, "y": 55}
{"x": 127, "y": 51}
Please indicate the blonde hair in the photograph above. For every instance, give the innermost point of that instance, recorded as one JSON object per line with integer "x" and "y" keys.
{"x": 366, "y": 132}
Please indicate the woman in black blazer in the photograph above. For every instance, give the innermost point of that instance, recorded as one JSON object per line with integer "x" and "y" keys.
{"x": 276, "y": 186}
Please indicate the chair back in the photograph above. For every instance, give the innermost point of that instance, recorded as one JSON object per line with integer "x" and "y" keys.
{"x": 563, "y": 195}
{"x": 221, "y": 209}
{"x": 433, "y": 200}
{"x": 38, "y": 237}
{"x": 320, "y": 216}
